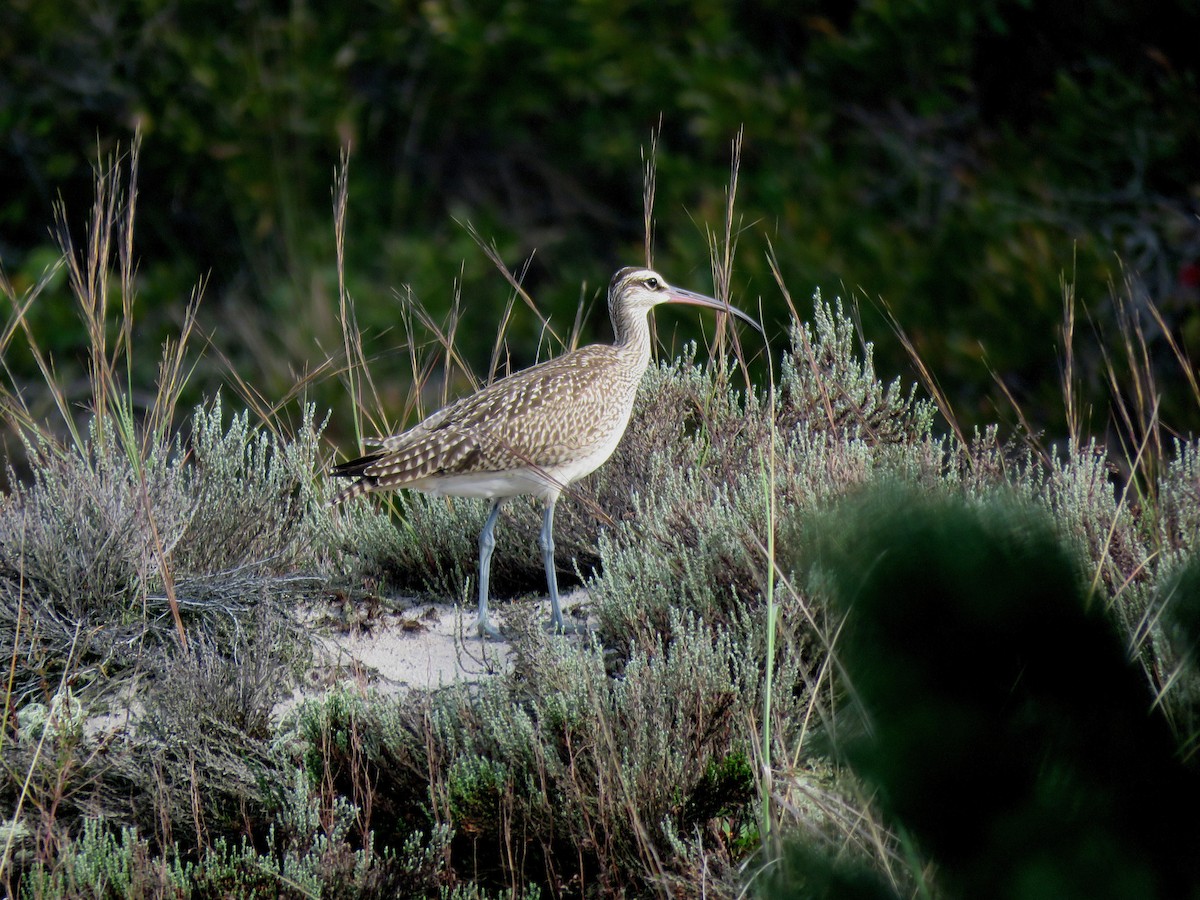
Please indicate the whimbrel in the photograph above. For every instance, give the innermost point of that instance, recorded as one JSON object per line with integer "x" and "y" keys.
{"x": 534, "y": 432}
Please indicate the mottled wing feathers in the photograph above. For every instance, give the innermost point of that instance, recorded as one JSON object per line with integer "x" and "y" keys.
{"x": 542, "y": 417}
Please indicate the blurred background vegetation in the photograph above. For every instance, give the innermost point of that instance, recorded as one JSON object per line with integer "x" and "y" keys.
{"x": 951, "y": 162}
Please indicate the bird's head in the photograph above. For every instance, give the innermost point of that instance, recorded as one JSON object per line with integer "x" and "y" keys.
{"x": 634, "y": 292}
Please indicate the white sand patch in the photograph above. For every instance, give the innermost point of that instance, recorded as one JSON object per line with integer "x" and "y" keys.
{"x": 426, "y": 646}
{"x": 389, "y": 648}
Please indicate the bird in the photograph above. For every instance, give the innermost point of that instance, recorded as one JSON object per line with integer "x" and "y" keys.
{"x": 533, "y": 432}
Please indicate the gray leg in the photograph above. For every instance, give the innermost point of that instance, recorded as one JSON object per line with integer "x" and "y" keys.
{"x": 546, "y": 542}
{"x": 487, "y": 543}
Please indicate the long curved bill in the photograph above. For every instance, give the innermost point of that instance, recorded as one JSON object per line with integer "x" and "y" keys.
{"x": 679, "y": 295}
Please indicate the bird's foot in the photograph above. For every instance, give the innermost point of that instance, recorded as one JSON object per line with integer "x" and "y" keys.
{"x": 488, "y": 631}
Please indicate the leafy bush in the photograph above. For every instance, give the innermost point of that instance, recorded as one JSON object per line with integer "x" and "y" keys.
{"x": 998, "y": 715}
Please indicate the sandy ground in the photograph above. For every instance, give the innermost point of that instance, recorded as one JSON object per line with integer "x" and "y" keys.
{"x": 393, "y": 645}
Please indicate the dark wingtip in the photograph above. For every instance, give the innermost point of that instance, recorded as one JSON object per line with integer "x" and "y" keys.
{"x": 355, "y": 467}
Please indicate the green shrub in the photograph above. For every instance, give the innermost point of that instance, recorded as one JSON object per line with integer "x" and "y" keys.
{"x": 996, "y": 711}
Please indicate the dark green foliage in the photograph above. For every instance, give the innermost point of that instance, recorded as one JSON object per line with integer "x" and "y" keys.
{"x": 1181, "y": 600}
{"x": 954, "y": 161}
{"x": 1002, "y": 722}
{"x": 1176, "y": 668}
{"x": 725, "y": 789}
{"x": 802, "y": 873}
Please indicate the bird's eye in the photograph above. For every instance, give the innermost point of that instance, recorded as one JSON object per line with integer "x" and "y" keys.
{"x": 653, "y": 283}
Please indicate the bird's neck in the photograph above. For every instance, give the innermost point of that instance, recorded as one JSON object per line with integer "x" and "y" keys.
{"x": 631, "y": 333}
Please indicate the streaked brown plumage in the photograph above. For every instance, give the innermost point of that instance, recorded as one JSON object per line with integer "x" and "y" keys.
{"x": 534, "y": 432}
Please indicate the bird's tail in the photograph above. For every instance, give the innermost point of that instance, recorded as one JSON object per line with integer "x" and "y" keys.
{"x": 349, "y": 493}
